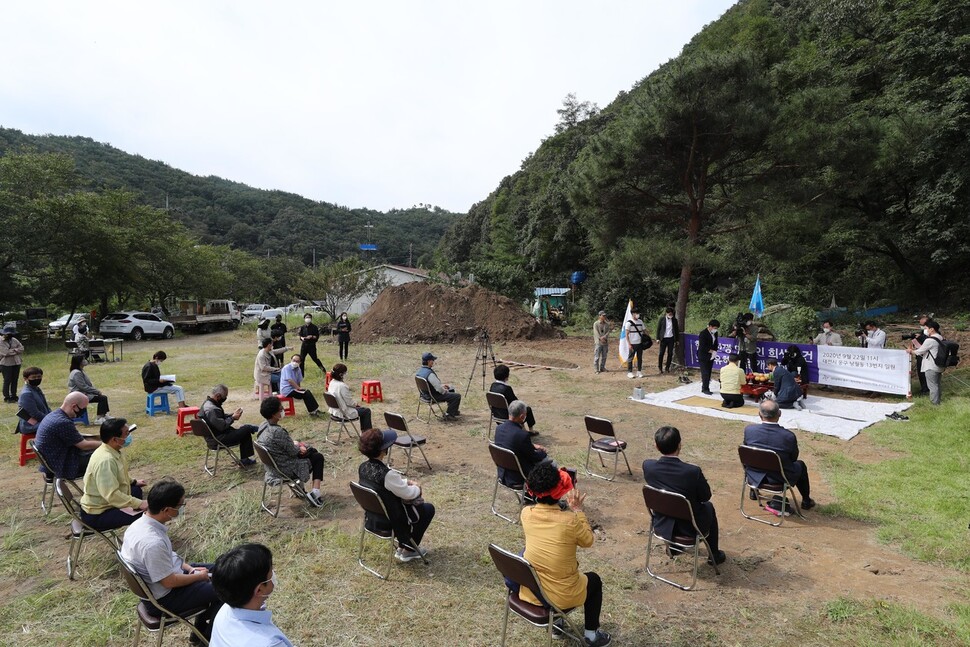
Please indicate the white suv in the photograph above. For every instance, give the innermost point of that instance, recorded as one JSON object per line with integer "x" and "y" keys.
{"x": 136, "y": 325}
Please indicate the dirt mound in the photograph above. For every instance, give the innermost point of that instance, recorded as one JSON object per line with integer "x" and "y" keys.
{"x": 429, "y": 312}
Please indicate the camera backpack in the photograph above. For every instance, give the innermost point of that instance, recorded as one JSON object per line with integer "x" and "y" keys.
{"x": 948, "y": 355}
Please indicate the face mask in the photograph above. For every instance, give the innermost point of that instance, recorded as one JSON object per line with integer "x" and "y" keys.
{"x": 128, "y": 439}
{"x": 670, "y": 316}
{"x": 295, "y": 365}
{"x": 307, "y": 320}
{"x": 181, "y": 507}
{"x": 79, "y": 412}
{"x": 826, "y": 330}
{"x": 926, "y": 331}
{"x": 35, "y": 381}
{"x": 714, "y": 332}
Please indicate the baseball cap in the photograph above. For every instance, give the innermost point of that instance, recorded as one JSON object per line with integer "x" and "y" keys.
{"x": 428, "y": 356}
{"x": 388, "y": 436}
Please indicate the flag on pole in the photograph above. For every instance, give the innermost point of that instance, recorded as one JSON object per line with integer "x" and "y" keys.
{"x": 624, "y": 345}
{"x": 757, "y": 305}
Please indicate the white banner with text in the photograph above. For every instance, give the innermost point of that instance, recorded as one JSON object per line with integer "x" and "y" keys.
{"x": 882, "y": 370}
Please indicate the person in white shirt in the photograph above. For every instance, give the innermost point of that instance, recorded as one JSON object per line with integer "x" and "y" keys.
{"x": 875, "y": 337}
{"x": 929, "y": 350}
{"x": 828, "y": 336}
{"x": 244, "y": 579}
{"x": 634, "y": 337}
{"x": 349, "y": 410}
{"x": 178, "y": 586}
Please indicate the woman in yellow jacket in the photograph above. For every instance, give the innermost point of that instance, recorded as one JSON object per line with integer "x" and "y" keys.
{"x": 551, "y": 538}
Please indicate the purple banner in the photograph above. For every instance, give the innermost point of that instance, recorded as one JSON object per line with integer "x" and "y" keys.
{"x": 766, "y": 350}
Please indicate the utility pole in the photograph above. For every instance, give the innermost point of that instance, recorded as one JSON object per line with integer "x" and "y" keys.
{"x": 410, "y": 253}
{"x": 314, "y": 258}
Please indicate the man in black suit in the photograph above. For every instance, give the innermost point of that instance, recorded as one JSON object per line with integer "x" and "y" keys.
{"x": 668, "y": 332}
{"x": 501, "y": 386}
{"x": 511, "y": 435}
{"x": 706, "y": 352}
{"x": 672, "y": 474}
{"x": 771, "y": 435}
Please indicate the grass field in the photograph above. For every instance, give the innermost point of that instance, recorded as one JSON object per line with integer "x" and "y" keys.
{"x": 909, "y": 486}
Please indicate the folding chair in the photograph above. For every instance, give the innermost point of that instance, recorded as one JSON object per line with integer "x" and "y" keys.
{"x": 154, "y": 624}
{"x": 671, "y": 504}
{"x": 405, "y": 440}
{"x": 371, "y": 502}
{"x": 97, "y": 350}
{"x": 47, "y": 497}
{"x": 507, "y": 460}
{"x": 72, "y": 348}
{"x": 495, "y": 401}
{"x": 426, "y": 397}
{"x": 766, "y": 460}
{"x": 519, "y": 570}
{"x": 79, "y": 530}
{"x": 343, "y": 422}
{"x": 608, "y": 444}
{"x": 281, "y": 479}
{"x": 201, "y": 429}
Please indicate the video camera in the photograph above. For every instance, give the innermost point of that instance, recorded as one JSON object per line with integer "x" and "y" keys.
{"x": 737, "y": 328}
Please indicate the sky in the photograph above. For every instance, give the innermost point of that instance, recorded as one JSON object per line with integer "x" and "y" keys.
{"x": 373, "y": 103}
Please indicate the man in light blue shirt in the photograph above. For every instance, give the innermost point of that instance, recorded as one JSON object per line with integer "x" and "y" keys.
{"x": 291, "y": 379}
{"x": 244, "y": 578}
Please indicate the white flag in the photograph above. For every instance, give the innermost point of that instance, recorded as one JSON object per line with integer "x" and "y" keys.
{"x": 624, "y": 345}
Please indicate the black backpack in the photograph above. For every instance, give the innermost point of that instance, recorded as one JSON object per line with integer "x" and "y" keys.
{"x": 947, "y": 355}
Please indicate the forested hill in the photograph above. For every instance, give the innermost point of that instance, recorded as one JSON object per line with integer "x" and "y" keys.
{"x": 222, "y": 212}
{"x": 820, "y": 143}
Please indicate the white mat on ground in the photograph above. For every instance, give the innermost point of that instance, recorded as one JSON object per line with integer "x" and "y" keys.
{"x": 841, "y": 418}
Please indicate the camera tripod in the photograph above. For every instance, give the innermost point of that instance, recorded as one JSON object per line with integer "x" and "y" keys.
{"x": 483, "y": 354}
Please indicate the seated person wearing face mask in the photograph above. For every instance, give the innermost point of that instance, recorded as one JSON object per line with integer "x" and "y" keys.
{"x": 244, "y": 578}
{"x": 111, "y": 499}
{"x": 221, "y": 424}
{"x": 177, "y": 585}
{"x": 291, "y": 385}
{"x": 58, "y": 440}
{"x": 32, "y": 401}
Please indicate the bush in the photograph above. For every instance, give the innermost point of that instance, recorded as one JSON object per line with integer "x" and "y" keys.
{"x": 795, "y": 324}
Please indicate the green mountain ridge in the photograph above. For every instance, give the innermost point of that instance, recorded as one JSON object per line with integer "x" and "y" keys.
{"x": 262, "y": 222}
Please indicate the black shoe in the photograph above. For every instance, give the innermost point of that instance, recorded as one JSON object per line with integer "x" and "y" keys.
{"x": 719, "y": 558}
{"x": 707, "y": 392}
{"x": 673, "y": 551}
{"x": 752, "y": 494}
{"x": 246, "y": 462}
{"x": 602, "y": 639}
{"x": 808, "y": 504}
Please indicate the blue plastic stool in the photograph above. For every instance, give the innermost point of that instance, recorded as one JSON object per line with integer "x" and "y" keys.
{"x": 83, "y": 418}
{"x": 151, "y": 406}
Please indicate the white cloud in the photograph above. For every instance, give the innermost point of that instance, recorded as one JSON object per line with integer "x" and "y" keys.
{"x": 376, "y": 104}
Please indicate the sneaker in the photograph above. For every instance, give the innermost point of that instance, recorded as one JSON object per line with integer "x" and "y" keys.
{"x": 630, "y": 375}
{"x": 246, "y": 462}
{"x": 406, "y": 555}
{"x": 98, "y": 421}
{"x": 557, "y": 630}
{"x": 719, "y": 558}
{"x": 808, "y": 504}
{"x": 639, "y": 374}
{"x": 775, "y": 509}
{"x": 602, "y": 639}
{"x": 314, "y": 499}
{"x": 315, "y": 413}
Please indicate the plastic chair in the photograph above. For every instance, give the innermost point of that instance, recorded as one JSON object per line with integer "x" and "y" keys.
{"x": 79, "y": 530}
{"x": 766, "y": 460}
{"x": 278, "y": 481}
{"x": 157, "y": 402}
{"x": 332, "y": 404}
{"x": 370, "y": 391}
{"x": 185, "y": 414}
{"x": 608, "y": 444}
{"x": 201, "y": 429}
{"x": 518, "y": 569}
{"x": 289, "y": 404}
{"x": 507, "y": 460}
{"x": 405, "y": 440}
{"x": 495, "y": 401}
{"x": 671, "y": 504}
{"x": 371, "y": 502}
{"x": 26, "y": 451}
{"x": 425, "y": 397}
{"x": 82, "y": 418}
{"x": 154, "y": 624}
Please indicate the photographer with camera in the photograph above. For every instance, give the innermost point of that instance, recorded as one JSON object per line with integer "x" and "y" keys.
{"x": 875, "y": 337}
{"x": 918, "y": 338}
{"x": 746, "y": 332}
{"x": 930, "y": 372}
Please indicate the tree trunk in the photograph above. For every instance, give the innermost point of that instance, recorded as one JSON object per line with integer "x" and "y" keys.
{"x": 681, "y": 310}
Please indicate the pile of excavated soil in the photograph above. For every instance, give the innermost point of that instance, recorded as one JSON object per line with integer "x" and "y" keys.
{"x": 430, "y": 312}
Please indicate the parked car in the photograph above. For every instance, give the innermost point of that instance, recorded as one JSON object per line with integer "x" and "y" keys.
{"x": 254, "y": 311}
{"x": 136, "y": 324}
{"x": 55, "y": 327}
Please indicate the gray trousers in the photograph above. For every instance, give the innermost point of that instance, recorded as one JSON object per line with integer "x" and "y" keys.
{"x": 933, "y": 383}
{"x": 599, "y": 356}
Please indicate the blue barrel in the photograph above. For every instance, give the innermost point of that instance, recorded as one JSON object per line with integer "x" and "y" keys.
{"x": 577, "y": 277}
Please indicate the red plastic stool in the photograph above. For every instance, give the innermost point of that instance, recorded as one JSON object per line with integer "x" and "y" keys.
{"x": 289, "y": 407}
{"x": 370, "y": 390}
{"x": 326, "y": 386}
{"x": 26, "y": 453}
{"x": 183, "y": 424}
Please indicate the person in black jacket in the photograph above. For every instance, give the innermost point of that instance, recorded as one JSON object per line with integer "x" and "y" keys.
{"x": 796, "y": 364}
{"x": 309, "y": 334}
{"x": 343, "y": 335}
{"x": 278, "y": 332}
{"x": 672, "y": 474}
{"x": 510, "y": 435}
{"x": 706, "y": 352}
{"x": 151, "y": 376}
{"x": 501, "y": 386}
{"x": 668, "y": 333}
